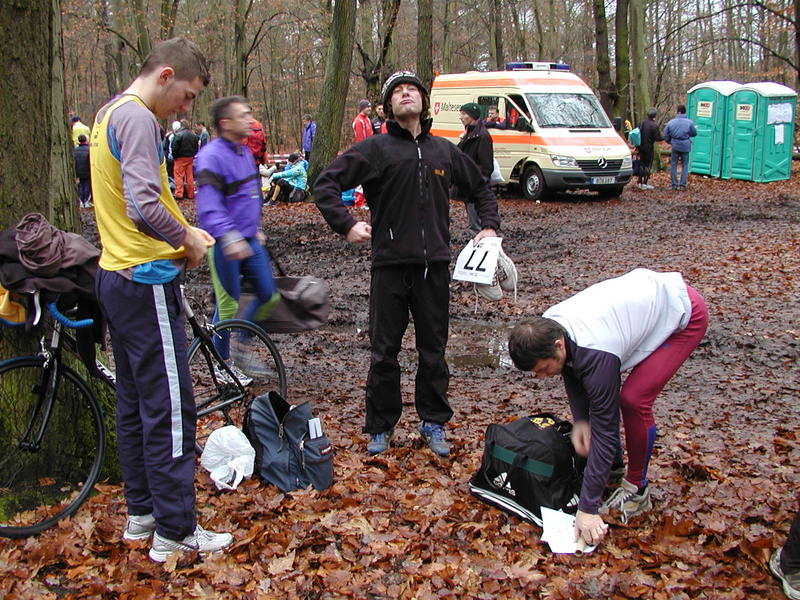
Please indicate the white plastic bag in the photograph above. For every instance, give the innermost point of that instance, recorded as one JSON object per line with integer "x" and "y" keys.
{"x": 228, "y": 456}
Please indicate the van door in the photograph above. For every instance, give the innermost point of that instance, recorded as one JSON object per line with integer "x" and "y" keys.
{"x": 512, "y": 145}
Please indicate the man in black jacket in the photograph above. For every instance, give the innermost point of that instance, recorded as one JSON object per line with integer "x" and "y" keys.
{"x": 185, "y": 145}
{"x": 650, "y": 134}
{"x": 477, "y": 144}
{"x": 81, "y": 155}
{"x": 406, "y": 176}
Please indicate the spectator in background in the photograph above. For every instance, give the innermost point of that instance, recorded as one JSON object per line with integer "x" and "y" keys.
{"x": 202, "y": 134}
{"x": 362, "y": 127}
{"x": 82, "y": 172}
{"x": 78, "y": 129}
{"x": 493, "y": 119}
{"x": 650, "y": 134}
{"x": 379, "y": 122}
{"x": 184, "y": 148}
{"x": 309, "y": 133}
{"x": 477, "y": 144}
{"x": 257, "y": 142}
{"x": 678, "y": 134}
{"x": 289, "y": 185}
{"x": 176, "y": 125}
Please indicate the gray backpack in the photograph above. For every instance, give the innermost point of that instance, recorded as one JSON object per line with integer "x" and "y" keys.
{"x": 290, "y": 453}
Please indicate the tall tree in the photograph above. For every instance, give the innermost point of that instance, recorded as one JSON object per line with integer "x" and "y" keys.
{"x": 334, "y": 87}
{"x": 425, "y": 42}
{"x": 496, "y": 35}
{"x": 640, "y": 80}
{"x": 34, "y": 128}
{"x": 603, "y": 62}
{"x": 373, "y": 66}
{"x": 622, "y": 59}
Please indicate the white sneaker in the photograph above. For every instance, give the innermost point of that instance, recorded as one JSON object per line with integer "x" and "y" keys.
{"x": 139, "y": 527}
{"x": 641, "y": 186}
{"x": 223, "y": 376}
{"x": 489, "y": 291}
{"x": 199, "y": 541}
{"x": 506, "y": 273}
{"x": 647, "y": 186}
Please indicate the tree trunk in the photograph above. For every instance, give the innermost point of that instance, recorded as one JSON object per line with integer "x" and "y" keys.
{"x": 641, "y": 85}
{"x": 447, "y": 38}
{"x": 425, "y": 42}
{"x": 496, "y": 35}
{"x": 602, "y": 59}
{"x": 169, "y": 10}
{"x": 797, "y": 44}
{"x": 622, "y": 58}
{"x": 240, "y": 55}
{"x": 334, "y": 87}
{"x": 39, "y": 177}
{"x": 143, "y": 44}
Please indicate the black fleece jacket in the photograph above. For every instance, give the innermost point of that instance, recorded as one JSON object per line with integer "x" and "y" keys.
{"x": 477, "y": 144}
{"x": 406, "y": 183}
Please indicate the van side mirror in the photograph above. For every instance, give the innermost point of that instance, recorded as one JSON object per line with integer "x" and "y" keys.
{"x": 523, "y": 125}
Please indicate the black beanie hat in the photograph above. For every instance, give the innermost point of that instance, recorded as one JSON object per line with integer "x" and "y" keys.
{"x": 396, "y": 79}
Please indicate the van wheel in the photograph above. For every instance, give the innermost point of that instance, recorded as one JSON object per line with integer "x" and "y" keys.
{"x": 533, "y": 185}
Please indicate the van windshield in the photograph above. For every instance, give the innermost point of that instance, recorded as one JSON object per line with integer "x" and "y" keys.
{"x": 575, "y": 111}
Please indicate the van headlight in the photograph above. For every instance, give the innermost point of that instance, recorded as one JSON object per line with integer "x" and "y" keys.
{"x": 627, "y": 163}
{"x": 565, "y": 162}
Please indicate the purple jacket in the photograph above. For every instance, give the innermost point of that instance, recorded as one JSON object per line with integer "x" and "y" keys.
{"x": 309, "y": 133}
{"x": 229, "y": 196}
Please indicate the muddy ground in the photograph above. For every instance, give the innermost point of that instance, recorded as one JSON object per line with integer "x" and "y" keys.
{"x": 724, "y": 476}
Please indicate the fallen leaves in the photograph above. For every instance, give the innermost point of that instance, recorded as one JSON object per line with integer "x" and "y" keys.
{"x": 724, "y": 475}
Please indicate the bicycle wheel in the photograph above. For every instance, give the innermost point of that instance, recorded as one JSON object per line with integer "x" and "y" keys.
{"x": 45, "y": 481}
{"x": 221, "y": 399}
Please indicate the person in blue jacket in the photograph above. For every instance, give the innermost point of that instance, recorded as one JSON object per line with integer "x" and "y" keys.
{"x": 229, "y": 208}
{"x": 678, "y": 134}
{"x": 289, "y": 185}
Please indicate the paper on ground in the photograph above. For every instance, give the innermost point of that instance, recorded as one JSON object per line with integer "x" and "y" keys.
{"x": 558, "y": 530}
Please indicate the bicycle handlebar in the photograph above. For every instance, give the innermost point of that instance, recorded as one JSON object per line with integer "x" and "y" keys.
{"x": 58, "y": 316}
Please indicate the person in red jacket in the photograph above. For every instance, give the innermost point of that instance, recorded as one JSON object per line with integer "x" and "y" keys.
{"x": 257, "y": 142}
{"x": 362, "y": 126}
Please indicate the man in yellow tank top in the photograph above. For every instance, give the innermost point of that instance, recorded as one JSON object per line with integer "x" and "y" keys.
{"x": 146, "y": 242}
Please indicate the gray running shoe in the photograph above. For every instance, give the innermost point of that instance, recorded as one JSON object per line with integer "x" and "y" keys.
{"x": 139, "y": 527}
{"x": 200, "y": 541}
{"x": 433, "y": 434}
{"x": 628, "y": 501}
{"x": 379, "y": 442}
{"x": 790, "y": 581}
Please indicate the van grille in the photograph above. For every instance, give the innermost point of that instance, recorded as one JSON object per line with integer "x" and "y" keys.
{"x": 600, "y": 164}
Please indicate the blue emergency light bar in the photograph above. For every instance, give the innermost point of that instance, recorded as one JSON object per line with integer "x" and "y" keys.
{"x": 536, "y": 66}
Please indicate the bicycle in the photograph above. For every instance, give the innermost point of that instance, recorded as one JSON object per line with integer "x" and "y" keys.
{"x": 52, "y": 431}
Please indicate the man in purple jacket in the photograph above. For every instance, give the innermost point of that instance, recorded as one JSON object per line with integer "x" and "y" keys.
{"x": 644, "y": 321}
{"x": 229, "y": 208}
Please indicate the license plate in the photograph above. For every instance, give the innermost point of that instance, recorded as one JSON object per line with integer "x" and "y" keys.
{"x": 603, "y": 180}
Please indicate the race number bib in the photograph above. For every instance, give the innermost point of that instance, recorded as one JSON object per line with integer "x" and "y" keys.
{"x": 477, "y": 262}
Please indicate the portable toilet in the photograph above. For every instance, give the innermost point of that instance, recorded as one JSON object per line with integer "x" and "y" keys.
{"x": 760, "y": 132}
{"x": 708, "y": 109}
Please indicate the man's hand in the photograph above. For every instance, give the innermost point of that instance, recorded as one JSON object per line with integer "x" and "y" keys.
{"x": 261, "y": 238}
{"x": 581, "y": 437}
{"x": 589, "y": 527}
{"x": 237, "y": 250}
{"x": 482, "y": 234}
{"x": 195, "y": 244}
{"x": 360, "y": 232}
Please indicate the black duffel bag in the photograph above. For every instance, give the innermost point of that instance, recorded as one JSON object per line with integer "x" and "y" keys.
{"x": 527, "y": 464}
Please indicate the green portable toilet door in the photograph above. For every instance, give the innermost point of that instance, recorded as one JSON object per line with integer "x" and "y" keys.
{"x": 705, "y": 109}
{"x": 774, "y": 161}
{"x": 743, "y": 134}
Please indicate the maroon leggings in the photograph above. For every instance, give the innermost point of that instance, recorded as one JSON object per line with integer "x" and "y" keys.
{"x": 646, "y": 381}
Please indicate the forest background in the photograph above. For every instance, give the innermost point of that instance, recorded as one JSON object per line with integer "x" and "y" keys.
{"x": 634, "y": 53}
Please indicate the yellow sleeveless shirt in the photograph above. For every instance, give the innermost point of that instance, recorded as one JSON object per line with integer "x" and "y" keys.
{"x": 124, "y": 246}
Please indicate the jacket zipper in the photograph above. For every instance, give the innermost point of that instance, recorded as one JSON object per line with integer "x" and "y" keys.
{"x": 420, "y": 170}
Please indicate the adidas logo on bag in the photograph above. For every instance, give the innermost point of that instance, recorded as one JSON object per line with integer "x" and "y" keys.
{"x": 501, "y": 482}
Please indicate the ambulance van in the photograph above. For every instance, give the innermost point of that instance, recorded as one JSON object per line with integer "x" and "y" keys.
{"x": 552, "y": 135}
